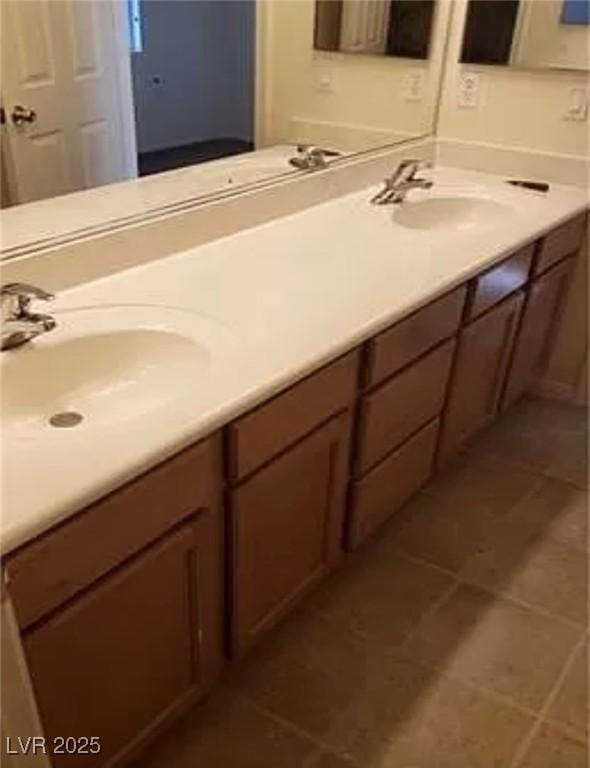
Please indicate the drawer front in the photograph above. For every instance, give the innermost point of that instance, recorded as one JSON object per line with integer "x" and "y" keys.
{"x": 402, "y": 405}
{"x": 262, "y": 434}
{"x": 53, "y": 568}
{"x": 499, "y": 282}
{"x": 563, "y": 241}
{"x": 412, "y": 337}
{"x": 385, "y": 489}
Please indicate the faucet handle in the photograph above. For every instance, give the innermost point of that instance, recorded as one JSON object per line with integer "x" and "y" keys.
{"x": 407, "y": 169}
{"x": 20, "y": 296}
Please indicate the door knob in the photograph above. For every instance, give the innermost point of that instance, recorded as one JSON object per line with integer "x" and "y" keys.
{"x": 22, "y": 115}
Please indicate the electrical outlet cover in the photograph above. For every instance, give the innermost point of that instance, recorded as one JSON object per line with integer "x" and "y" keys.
{"x": 468, "y": 92}
{"x": 414, "y": 85}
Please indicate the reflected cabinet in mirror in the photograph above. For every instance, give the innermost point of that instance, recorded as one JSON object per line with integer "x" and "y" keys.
{"x": 180, "y": 99}
{"x": 549, "y": 34}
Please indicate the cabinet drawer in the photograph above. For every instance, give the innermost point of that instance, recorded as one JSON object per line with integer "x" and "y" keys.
{"x": 415, "y": 335}
{"x": 265, "y": 432}
{"x": 402, "y": 405}
{"x": 563, "y": 241}
{"x": 51, "y": 569}
{"x": 390, "y": 484}
{"x": 500, "y": 281}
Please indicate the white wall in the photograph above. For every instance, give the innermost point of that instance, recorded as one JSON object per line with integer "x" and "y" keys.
{"x": 518, "y": 108}
{"x": 203, "y": 53}
{"x": 366, "y": 105}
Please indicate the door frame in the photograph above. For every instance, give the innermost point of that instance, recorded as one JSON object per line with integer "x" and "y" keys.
{"x": 125, "y": 95}
{"x": 262, "y": 71}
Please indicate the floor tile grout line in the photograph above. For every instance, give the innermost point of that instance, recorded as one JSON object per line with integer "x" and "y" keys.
{"x": 501, "y": 699}
{"x": 417, "y": 560}
{"x": 322, "y": 746}
{"x": 444, "y": 598}
{"x": 568, "y": 730}
{"x": 531, "y": 468}
{"x": 494, "y": 593}
{"x": 537, "y": 609}
{"x": 525, "y": 745}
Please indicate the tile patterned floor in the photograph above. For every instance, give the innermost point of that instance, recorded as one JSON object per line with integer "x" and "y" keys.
{"x": 457, "y": 638}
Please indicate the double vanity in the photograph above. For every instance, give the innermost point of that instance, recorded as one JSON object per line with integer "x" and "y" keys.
{"x": 250, "y": 410}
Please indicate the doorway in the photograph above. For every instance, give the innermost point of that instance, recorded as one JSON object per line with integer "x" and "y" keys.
{"x": 192, "y": 72}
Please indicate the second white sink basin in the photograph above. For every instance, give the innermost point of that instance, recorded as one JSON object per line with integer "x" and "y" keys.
{"x": 454, "y": 213}
{"x": 105, "y": 364}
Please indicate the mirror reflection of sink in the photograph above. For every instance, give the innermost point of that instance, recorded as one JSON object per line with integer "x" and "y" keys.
{"x": 456, "y": 213}
{"x": 104, "y": 364}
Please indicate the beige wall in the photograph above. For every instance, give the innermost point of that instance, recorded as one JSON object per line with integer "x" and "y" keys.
{"x": 542, "y": 41}
{"x": 518, "y": 108}
{"x": 367, "y": 105}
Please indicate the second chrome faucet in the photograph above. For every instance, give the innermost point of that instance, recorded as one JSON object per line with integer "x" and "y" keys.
{"x": 402, "y": 180}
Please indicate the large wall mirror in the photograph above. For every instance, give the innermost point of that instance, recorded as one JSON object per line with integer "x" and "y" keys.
{"x": 549, "y": 34}
{"x": 186, "y": 98}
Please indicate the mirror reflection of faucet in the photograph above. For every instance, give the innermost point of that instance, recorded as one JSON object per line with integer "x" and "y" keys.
{"x": 402, "y": 180}
{"x": 311, "y": 158}
{"x": 19, "y": 324}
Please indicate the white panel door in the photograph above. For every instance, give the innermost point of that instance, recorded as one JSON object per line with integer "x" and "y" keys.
{"x": 68, "y": 61}
{"x": 364, "y": 26}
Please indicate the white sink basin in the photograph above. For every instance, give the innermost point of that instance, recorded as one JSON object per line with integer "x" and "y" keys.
{"x": 104, "y": 364}
{"x": 454, "y": 213}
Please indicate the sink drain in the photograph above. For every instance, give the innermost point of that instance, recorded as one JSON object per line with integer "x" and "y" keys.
{"x": 65, "y": 419}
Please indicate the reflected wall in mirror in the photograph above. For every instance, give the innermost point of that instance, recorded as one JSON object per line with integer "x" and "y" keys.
{"x": 178, "y": 99}
{"x": 380, "y": 27}
{"x": 350, "y": 102}
{"x": 549, "y": 34}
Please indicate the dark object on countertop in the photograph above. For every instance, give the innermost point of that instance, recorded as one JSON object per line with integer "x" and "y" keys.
{"x": 537, "y": 186}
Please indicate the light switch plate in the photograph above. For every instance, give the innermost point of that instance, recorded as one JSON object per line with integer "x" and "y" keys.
{"x": 468, "y": 90}
{"x": 414, "y": 85}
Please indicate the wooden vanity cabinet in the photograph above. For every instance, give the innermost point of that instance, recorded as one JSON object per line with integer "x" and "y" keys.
{"x": 287, "y": 515}
{"x": 544, "y": 299}
{"x": 287, "y": 522}
{"x": 406, "y": 380}
{"x": 140, "y": 639}
{"x": 483, "y": 354}
{"x": 560, "y": 243}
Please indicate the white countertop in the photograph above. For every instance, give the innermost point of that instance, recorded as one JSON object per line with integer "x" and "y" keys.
{"x": 274, "y": 303}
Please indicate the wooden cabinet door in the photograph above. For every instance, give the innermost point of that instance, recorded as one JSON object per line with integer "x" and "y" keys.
{"x": 287, "y": 529}
{"x": 133, "y": 648}
{"x": 483, "y": 354}
{"x": 544, "y": 299}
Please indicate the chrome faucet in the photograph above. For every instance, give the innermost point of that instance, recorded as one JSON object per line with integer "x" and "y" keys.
{"x": 311, "y": 158}
{"x": 401, "y": 182}
{"x": 19, "y": 324}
